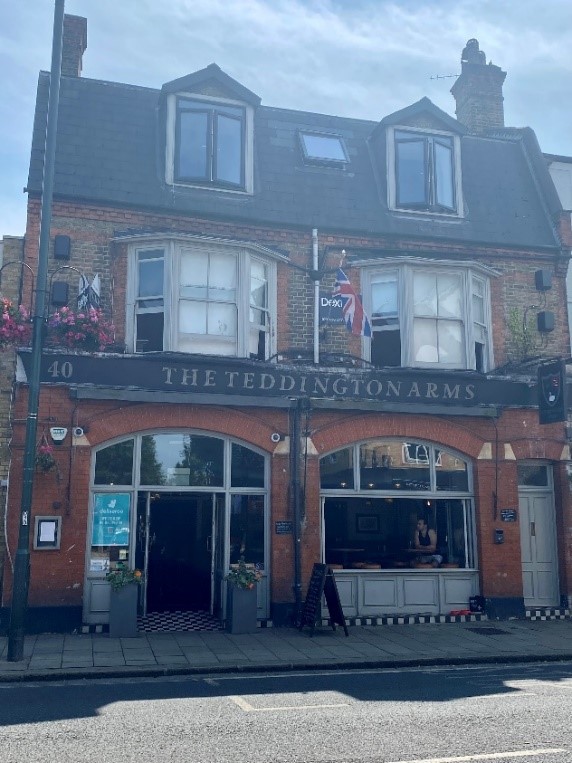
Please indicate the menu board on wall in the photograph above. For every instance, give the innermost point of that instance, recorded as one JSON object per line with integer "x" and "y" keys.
{"x": 111, "y": 519}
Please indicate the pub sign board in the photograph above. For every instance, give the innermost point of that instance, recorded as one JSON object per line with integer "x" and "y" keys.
{"x": 552, "y": 392}
{"x": 191, "y": 374}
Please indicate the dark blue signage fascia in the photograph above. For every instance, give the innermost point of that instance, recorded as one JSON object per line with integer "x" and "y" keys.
{"x": 206, "y": 375}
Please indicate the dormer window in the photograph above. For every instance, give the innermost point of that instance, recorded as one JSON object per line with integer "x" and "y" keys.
{"x": 424, "y": 171}
{"x": 210, "y": 143}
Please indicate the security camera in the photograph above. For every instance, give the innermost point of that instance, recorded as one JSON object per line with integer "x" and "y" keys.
{"x": 78, "y": 432}
{"x": 275, "y": 436}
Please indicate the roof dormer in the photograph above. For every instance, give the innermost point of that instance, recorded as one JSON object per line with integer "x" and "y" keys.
{"x": 209, "y": 131}
{"x": 422, "y": 159}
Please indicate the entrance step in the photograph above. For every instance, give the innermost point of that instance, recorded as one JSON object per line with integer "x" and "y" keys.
{"x": 548, "y": 613}
{"x": 412, "y": 619}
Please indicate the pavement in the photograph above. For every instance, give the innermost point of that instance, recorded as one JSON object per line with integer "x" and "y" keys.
{"x": 61, "y": 657}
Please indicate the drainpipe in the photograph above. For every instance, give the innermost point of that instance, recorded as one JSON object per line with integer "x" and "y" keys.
{"x": 316, "y": 278}
{"x": 295, "y": 418}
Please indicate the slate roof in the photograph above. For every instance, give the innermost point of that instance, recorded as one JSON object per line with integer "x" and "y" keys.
{"x": 110, "y": 150}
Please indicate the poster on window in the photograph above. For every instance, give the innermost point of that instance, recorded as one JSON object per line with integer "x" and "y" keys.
{"x": 111, "y": 519}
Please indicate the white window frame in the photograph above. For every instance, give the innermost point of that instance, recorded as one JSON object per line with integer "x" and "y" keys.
{"x": 172, "y": 248}
{"x": 391, "y": 158}
{"x": 405, "y": 271}
{"x": 247, "y": 148}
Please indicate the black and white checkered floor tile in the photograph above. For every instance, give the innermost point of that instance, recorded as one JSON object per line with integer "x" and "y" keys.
{"x": 548, "y": 614}
{"x": 158, "y": 622}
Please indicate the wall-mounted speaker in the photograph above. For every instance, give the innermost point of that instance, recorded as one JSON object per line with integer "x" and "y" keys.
{"x": 545, "y": 321}
{"x": 62, "y": 248}
{"x": 60, "y": 293}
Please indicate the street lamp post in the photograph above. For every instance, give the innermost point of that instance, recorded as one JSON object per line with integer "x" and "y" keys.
{"x": 22, "y": 561}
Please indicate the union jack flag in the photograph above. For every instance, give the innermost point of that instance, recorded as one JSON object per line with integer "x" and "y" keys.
{"x": 354, "y": 316}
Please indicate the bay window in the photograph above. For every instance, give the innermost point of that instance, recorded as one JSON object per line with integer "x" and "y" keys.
{"x": 429, "y": 316}
{"x": 204, "y": 298}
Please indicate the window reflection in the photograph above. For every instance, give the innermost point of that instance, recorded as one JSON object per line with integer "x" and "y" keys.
{"x": 247, "y": 529}
{"x": 451, "y": 472}
{"x": 393, "y": 465}
{"x": 114, "y": 465}
{"x": 336, "y": 470}
{"x": 184, "y": 460}
{"x": 247, "y": 467}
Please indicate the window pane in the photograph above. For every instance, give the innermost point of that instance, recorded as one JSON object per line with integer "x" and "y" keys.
{"x": 247, "y": 529}
{"x": 114, "y": 465}
{"x": 150, "y": 278}
{"x": 424, "y": 294}
{"x": 449, "y": 296}
{"x": 425, "y": 347}
{"x": 384, "y": 299}
{"x": 194, "y": 274}
{"x": 222, "y": 277}
{"x": 229, "y": 150}
{"x": 531, "y": 475}
{"x": 451, "y": 471}
{"x": 336, "y": 470}
{"x": 247, "y": 467}
{"x": 258, "y": 284}
{"x": 450, "y": 527}
{"x": 192, "y": 317}
{"x": 451, "y": 342}
{"x": 323, "y": 147}
{"x": 221, "y": 320}
{"x": 184, "y": 460}
{"x": 149, "y": 332}
{"x": 393, "y": 465}
{"x": 444, "y": 175}
{"x": 411, "y": 172}
{"x": 193, "y": 145}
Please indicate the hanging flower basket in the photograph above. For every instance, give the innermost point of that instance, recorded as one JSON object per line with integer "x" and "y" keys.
{"x": 85, "y": 330}
{"x": 15, "y": 324}
{"x": 45, "y": 461}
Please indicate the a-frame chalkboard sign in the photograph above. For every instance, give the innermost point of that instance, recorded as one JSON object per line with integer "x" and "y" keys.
{"x": 321, "y": 582}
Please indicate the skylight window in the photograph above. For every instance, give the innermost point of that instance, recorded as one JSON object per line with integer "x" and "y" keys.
{"x": 318, "y": 147}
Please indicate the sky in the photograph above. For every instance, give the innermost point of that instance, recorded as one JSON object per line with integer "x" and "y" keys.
{"x": 358, "y": 58}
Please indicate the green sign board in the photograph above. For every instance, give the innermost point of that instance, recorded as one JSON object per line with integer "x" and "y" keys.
{"x": 111, "y": 519}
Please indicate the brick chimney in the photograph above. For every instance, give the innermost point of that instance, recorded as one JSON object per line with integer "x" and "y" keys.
{"x": 478, "y": 91}
{"x": 74, "y": 45}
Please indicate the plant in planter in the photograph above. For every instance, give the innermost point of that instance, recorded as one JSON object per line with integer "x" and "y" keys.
{"x": 241, "y": 598}
{"x": 15, "y": 324}
{"x": 85, "y": 330}
{"x": 123, "y": 598}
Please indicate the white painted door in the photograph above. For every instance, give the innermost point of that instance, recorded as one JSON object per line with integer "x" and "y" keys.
{"x": 538, "y": 549}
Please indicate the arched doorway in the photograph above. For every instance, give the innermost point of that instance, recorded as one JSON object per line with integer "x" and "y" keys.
{"x": 181, "y": 506}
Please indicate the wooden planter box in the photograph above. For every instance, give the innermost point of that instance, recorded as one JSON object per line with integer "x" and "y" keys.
{"x": 123, "y": 611}
{"x": 241, "y": 610}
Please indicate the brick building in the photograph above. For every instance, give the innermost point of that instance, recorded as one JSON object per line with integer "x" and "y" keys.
{"x": 236, "y": 416}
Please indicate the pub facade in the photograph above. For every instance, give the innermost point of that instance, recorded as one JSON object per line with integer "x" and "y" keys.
{"x": 234, "y": 415}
